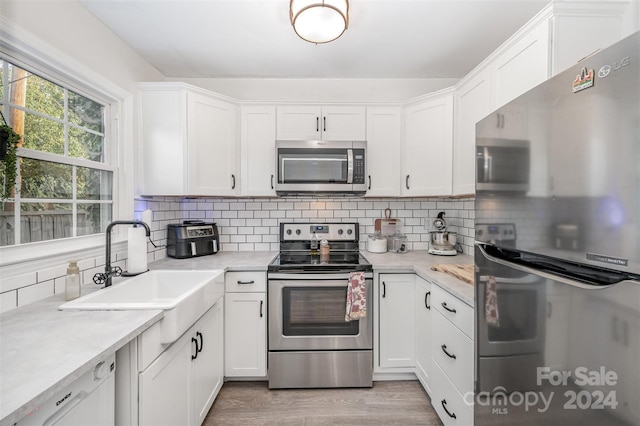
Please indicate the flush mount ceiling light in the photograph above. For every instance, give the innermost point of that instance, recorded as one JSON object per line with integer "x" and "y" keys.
{"x": 319, "y": 21}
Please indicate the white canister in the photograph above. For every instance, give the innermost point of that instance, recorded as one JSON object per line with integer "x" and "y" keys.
{"x": 376, "y": 244}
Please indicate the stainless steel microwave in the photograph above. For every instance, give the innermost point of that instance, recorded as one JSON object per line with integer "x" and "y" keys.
{"x": 321, "y": 167}
{"x": 502, "y": 165}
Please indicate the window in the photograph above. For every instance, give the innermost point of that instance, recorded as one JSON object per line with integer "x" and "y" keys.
{"x": 65, "y": 180}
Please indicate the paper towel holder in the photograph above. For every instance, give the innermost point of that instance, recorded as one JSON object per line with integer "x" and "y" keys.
{"x": 148, "y": 234}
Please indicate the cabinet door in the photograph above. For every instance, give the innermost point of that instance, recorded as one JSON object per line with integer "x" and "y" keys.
{"x": 163, "y": 124}
{"x": 384, "y": 130}
{"x": 473, "y": 103}
{"x": 423, "y": 331}
{"x": 211, "y": 146}
{"x": 524, "y": 65}
{"x": 208, "y": 365}
{"x": 427, "y": 150}
{"x": 397, "y": 323}
{"x": 298, "y": 123}
{"x": 343, "y": 124}
{"x": 257, "y": 143}
{"x": 245, "y": 340}
{"x": 165, "y": 391}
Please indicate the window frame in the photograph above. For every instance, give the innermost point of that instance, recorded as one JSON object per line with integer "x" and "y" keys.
{"x": 23, "y": 49}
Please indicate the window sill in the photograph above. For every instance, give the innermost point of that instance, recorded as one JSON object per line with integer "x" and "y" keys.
{"x": 32, "y": 257}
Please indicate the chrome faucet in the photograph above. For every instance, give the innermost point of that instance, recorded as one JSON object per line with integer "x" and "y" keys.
{"x": 116, "y": 271}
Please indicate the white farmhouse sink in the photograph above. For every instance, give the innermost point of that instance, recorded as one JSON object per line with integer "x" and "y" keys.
{"x": 183, "y": 296}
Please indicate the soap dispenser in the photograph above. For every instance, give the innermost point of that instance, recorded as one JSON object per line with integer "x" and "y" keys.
{"x": 72, "y": 281}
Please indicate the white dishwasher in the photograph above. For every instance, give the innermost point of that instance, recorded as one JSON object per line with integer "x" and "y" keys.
{"x": 89, "y": 400}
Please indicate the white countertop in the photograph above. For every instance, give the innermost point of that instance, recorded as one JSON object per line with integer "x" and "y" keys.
{"x": 420, "y": 262}
{"x": 43, "y": 349}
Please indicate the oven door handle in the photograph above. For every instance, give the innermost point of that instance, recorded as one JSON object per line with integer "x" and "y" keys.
{"x": 298, "y": 276}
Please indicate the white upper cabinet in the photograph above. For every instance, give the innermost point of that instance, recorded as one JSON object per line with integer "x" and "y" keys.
{"x": 555, "y": 39}
{"x": 522, "y": 66}
{"x": 257, "y": 147}
{"x": 188, "y": 141}
{"x": 331, "y": 123}
{"x": 473, "y": 103}
{"x": 384, "y": 130}
{"x": 427, "y": 147}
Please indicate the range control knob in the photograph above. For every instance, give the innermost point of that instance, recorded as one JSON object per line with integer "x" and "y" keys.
{"x": 298, "y": 232}
{"x": 340, "y": 232}
{"x": 349, "y": 231}
{"x": 288, "y": 231}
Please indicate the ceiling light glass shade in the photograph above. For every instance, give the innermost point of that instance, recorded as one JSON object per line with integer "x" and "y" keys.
{"x": 319, "y": 21}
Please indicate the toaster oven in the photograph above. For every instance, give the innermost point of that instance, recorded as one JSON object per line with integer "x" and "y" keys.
{"x": 191, "y": 239}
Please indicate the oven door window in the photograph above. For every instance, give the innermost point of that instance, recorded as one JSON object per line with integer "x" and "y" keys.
{"x": 312, "y": 166}
{"x": 316, "y": 311}
{"x": 518, "y": 316}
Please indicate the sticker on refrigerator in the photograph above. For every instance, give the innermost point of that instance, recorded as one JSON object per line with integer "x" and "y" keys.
{"x": 584, "y": 80}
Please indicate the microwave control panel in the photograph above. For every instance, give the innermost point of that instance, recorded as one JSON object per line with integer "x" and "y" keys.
{"x": 359, "y": 169}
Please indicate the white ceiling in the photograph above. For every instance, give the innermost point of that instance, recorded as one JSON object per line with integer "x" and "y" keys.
{"x": 253, "y": 38}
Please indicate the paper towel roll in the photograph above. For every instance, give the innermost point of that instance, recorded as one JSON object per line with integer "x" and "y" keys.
{"x": 137, "y": 250}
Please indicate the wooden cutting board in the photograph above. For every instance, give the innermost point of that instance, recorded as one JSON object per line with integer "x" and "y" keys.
{"x": 461, "y": 272}
{"x": 387, "y": 226}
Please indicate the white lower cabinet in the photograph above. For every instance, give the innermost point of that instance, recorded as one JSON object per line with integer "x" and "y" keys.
{"x": 396, "y": 320}
{"x": 452, "y": 354}
{"x": 246, "y": 324}
{"x": 423, "y": 332}
{"x": 179, "y": 387}
{"x": 447, "y": 401}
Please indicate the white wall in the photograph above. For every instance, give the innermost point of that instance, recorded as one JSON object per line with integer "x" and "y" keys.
{"x": 365, "y": 90}
{"x": 63, "y": 35}
{"x": 70, "y": 28}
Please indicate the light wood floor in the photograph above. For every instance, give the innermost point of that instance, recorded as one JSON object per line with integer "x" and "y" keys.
{"x": 387, "y": 403}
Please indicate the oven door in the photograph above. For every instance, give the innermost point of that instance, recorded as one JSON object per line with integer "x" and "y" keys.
{"x": 307, "y": 312}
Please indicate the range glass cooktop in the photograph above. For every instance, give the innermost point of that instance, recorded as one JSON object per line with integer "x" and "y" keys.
{"x": 305, "y": 261}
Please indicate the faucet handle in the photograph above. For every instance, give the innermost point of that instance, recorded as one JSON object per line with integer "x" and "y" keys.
{"x": 116, "y": 271}
{"x": 100, "y": 278}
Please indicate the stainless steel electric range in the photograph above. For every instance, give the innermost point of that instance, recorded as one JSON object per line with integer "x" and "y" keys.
{"x": 311, "y": 345}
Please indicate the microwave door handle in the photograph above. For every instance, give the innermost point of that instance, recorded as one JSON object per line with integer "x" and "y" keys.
{"x": 349, "y": 165}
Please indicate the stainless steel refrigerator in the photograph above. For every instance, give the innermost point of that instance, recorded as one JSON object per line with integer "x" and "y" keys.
{"x": 558, "y": 249}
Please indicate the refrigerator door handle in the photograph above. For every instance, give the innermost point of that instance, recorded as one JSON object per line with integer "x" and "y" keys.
{"x": 542, "y": 273}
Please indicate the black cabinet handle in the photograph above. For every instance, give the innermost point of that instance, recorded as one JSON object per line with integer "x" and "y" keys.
{"x": 324, "y": 124}
{"x": 199, "y": 335}
{"x": 193, "y": 340}
{"x": 444, "y": 349}
{"x": 426, "y": 300}
{"x": 444, "y": 305}
{"x": 317, "y": 124}
{"x": 233, "y": 180}
{"x": 271, "y": 181}
{"x": 246, "y": 282}
{"x": 261, "y": 305}
{"x": 444, "y": 405}
{"x": 384, "y": 289}
{"x": 406, "y": 182}
{"x": 369, "y": 182}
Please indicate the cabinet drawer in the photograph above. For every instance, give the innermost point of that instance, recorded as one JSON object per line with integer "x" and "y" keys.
{"x": 245, "y": 282}
{"x": 448, "y": 402}
{"x": 454, "y": 309}
{"x": 453, "y": 352}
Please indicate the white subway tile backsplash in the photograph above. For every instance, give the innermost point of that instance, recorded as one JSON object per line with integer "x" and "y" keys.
{"x": 8, "y": 301}
{"x": 18, "y": 281}
{"x": 35, "y": 292}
